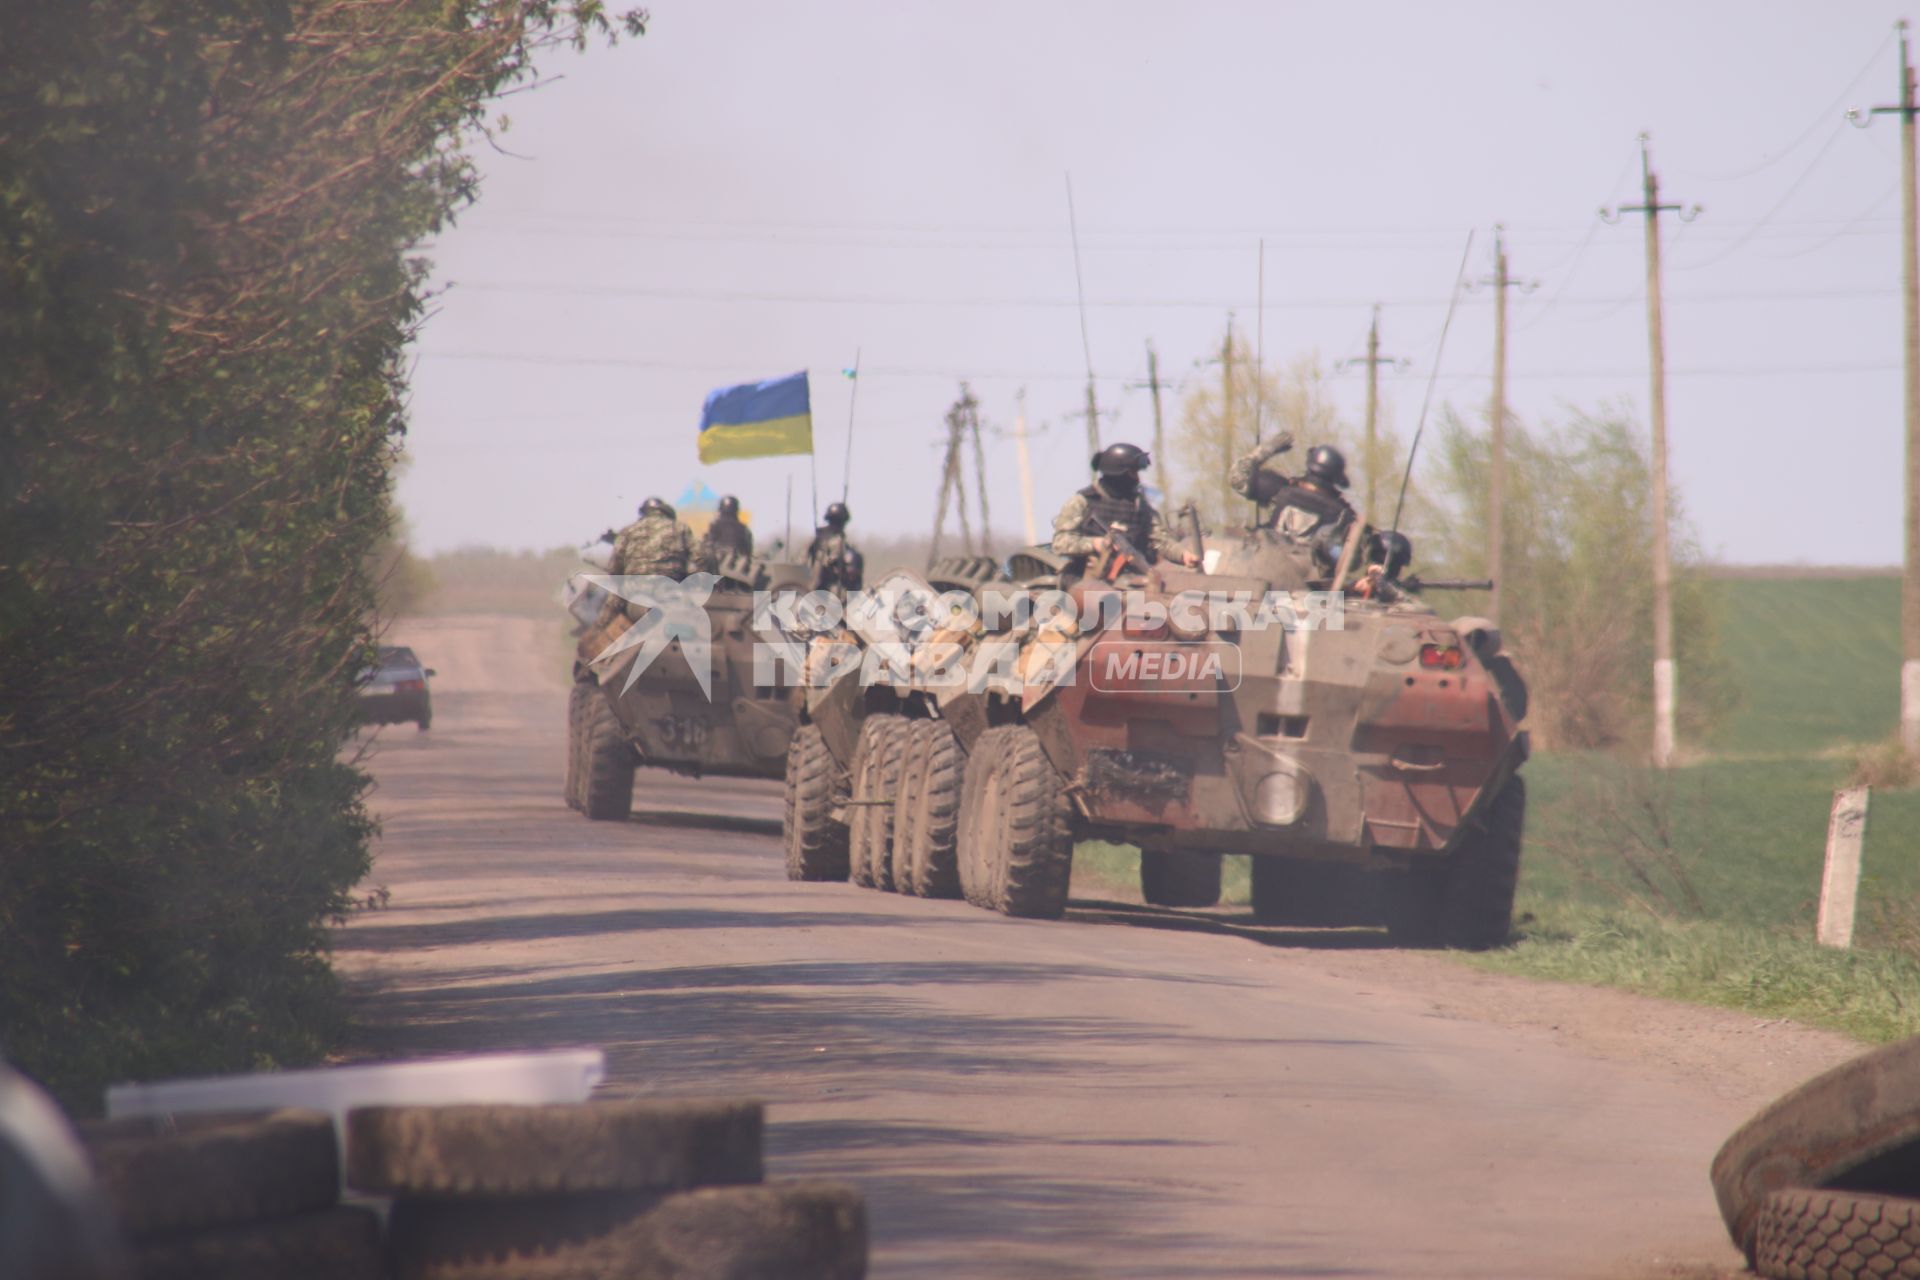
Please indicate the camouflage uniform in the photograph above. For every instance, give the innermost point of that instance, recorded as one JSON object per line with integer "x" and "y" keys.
{"x": 653, "y": 544}
{"x": 828, "y": 557}
{"x": 1076, "y": 530}
{"x": 1303, "y": 505}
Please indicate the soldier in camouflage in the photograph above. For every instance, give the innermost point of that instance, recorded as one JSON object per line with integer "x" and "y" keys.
{"x": 1303, "y": 505}
{"x": 656, "y": 544}
{"x": 1083, "y": 530}
{"x": 836, "y": 563}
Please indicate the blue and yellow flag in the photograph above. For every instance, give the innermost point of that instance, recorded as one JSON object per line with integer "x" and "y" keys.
{"x": 757, "y": 420}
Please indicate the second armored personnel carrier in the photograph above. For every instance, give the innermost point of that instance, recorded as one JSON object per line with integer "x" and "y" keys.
{"x": 1362, "y": 749}
{"x": 665, "y": 718}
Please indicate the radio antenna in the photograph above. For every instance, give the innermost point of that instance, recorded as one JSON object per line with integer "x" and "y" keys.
{"x": 1433, "y": 376}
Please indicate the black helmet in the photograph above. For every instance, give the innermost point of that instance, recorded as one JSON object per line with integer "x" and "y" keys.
{"x": 1326, "y": 464}
{"x": 729, "y": 506}
{"x": 838, "y": 515}
{"x": 1390, "y": 549}
{"x": 656, "y": 506}
{"x": 1121, "y": 460}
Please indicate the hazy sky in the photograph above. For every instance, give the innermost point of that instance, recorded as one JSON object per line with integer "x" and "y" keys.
{"x": 754, "y": 188}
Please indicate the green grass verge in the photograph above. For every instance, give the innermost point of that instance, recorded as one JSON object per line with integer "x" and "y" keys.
{"x": 1868, "y": 993}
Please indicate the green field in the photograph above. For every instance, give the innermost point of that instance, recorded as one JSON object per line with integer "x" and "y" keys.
{"x": 1703, "y": 884}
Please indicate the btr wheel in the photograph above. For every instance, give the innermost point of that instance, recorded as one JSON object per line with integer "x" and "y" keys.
{"x": 913, "y": 762}
{"x": 876, "y": 776}
{"x": 1016, "y": 838}
{"x": 1467, "y": 901}
{"x": 816, "y": 843}
{"x": 928, "y": 827}
{"x": 577, "y": 708}
{"x": 607, "y": 789}
{"x": 1179, "y": 879}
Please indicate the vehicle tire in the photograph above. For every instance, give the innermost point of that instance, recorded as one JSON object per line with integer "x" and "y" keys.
{"x": 332, "y": 1244}
{"x": 1323, "y": 895}
{"x": 1025, "y": 836}
{"x": 213, "y": 1169}
{"x": 577, "y": 709}
{"x": 816, "y": 844}
{"x": 913, "y": 763}
{"x": 622, "y": 1145}
{"x": 424, "y": 722}
{"x": 1837, "y": 1235}
{"x": 1465, "y": 902}
{"x": 934, "y": 814}
{"x": 1511, "y": 686}
{"x": 1179, "y": 879}
{"x": 981, "y": 817}
{"x": 876, "y": 776}
{"x": 607, "y": 785}
{"x": 783, "y": 1231}
{"x": 1856, "y": 1126}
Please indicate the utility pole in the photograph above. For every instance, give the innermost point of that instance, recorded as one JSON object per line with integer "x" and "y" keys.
{"x": 1159, "y": 433}
{"x": 1910, "y": 298}
{"x": 1373, "y": 360}
{"x": 1663, "y": 669}
{"x": 1026, "y": 463}
{"x": 1500, "y": 281}
{"x": 1226, "y": 418}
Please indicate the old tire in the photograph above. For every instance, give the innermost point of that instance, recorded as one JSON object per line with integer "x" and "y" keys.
{"x": 816, "y": 843}
{"x": 927, "y": 832}
{"x": 876, "y": 784}
{"x": 1179, "y": 879}
{"x": 217, "y": 1169}
{"x": 625, "y": 1145}
{"x": 332, "y": 1244}
{"x": 1465, "y": 903}
{"x": 578, "y": 706}
{"x": 1857, "y": 1125}
{"x": 1322, "y": 895}
{"x": 607, "y": 787}
{"x": 1019, "y": 824}
{"x": 790, "y": 1231}
{"x": 1837, "y": 1235}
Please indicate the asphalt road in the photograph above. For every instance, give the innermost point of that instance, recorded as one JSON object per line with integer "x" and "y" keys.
{"x": 1129, "y": 1093}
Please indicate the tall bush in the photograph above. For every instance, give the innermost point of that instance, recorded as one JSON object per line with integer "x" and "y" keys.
{"x": 208, "y": 210}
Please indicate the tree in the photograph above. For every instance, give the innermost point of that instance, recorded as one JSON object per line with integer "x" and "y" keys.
{"x": 1296, "y": 397}
{"x": 1577, "y": 601}
{"x": 209, "y": 210}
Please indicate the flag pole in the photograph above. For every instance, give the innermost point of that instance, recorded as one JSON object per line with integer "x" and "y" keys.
{"x": 788, "y": 541}
{"x": 853, "y": 399}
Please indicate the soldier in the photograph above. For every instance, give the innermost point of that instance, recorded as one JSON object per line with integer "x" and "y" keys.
{"x": 727, "y": 535}
{"x": 1304, "y": 504}
{"x": 835, "y": 562}
{"x": 1112, "y": 504}
{"x": 655, "y": 544}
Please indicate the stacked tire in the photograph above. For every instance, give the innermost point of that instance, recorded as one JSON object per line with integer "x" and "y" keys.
{"x": 233, "y": 1197}
{"x": 1824, "y": 1182}
{"x": 641, "y": 1190}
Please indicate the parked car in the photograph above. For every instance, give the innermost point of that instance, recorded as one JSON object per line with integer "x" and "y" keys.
{"x": 396, "y": 690}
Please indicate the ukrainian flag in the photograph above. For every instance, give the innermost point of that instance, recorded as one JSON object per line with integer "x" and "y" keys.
{"x": 757, "y": 420}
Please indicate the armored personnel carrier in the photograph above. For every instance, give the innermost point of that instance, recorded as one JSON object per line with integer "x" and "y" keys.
{"x": 1361, "y": 748}
{"x": 665, "y": 718}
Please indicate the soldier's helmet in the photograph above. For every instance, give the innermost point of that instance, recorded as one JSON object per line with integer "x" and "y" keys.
{"x": 1391, "y": 550}
{"x": 1327, "y": 465}
{"x": 729, "y": 507}
{"x": 656, "y": 506}
{"x": 837, "y": 515}
{"x": 1121, "y": 460}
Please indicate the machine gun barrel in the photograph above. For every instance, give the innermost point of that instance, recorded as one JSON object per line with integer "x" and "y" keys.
{"x": 1447, "y": 584}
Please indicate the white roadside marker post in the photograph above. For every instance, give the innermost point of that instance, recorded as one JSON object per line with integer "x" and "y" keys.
{"x": 1840, "y": 882}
